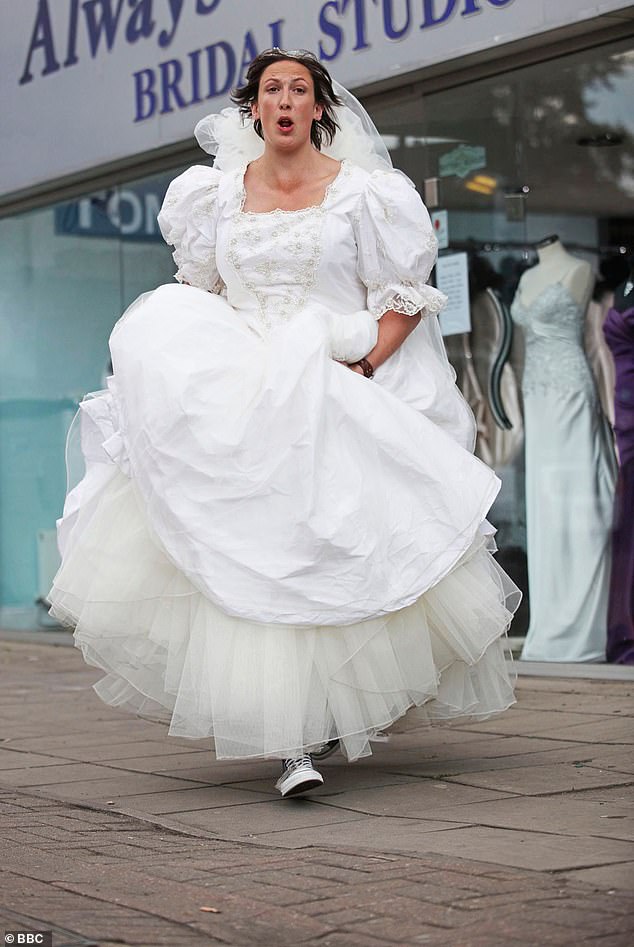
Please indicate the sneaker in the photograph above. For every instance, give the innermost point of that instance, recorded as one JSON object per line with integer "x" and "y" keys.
{"x": 298, "y": 776}
{"x": 325, "y": 750}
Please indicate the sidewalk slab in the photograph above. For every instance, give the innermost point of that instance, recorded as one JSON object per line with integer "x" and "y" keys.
{"x": 513, "y": 831}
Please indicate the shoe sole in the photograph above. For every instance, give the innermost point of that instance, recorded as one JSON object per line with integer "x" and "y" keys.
{"x": 302, "y": 785}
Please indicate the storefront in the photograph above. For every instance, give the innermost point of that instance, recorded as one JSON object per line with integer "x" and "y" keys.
{"x": 515, "y": 121}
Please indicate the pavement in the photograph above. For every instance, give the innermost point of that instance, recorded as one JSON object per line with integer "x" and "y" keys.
{"x": 513, "y": 831}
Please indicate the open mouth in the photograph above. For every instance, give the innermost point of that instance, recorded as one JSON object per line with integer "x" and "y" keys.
{"x": 285, "y": 123}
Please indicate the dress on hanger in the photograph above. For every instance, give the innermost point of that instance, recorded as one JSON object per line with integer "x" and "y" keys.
{"x": 570, "y": 474}
{"x": 268, "y": 548}
{"x": 619, "y": 334}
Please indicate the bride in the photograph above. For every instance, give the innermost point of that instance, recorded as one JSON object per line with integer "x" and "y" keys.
{"x": 279, "y": 540}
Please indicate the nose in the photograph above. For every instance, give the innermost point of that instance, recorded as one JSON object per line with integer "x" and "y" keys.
{"x": 285, "y": 100}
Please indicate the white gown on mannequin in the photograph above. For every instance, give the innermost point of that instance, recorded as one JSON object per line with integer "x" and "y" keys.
{"x": 570, "y": 476}
{"x": 268, "y": 548}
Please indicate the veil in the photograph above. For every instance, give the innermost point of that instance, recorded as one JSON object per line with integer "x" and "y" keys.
{"x": 234, "y": 143}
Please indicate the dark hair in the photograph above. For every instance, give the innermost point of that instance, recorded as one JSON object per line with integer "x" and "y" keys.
{"x": 323, "y": 129}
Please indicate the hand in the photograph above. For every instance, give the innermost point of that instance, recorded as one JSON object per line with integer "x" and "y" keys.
{"x": 356, "y": 368}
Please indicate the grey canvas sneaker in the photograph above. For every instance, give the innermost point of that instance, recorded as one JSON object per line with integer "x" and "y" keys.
{"x": 298, "y": 775}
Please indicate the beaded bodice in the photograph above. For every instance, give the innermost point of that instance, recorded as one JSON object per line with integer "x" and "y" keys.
{"x": 555, "y": 359}
{"x": 276, "y": 255}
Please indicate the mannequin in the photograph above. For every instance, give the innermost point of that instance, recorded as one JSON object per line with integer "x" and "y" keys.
{"x": 570, "y": 463}
{"x": 556, "y": 265}
{"x": 619, "y": 335}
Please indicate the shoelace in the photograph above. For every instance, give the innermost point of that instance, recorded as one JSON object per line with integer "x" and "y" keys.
{"x": 291, "y": 765}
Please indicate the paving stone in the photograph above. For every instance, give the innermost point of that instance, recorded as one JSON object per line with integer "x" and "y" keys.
{"x": 573, "y": 815}
{"x": 536, "y": 723}
{"x": 533, "y": 850}
{"x": 605, "y": 731}
{"x": 379, "y": 834}
{"x": 618, "y": 876}
{"x": 126, "y": 784}
{"x": 53, "y": 774}
{"x": 190, "y": 800}
{"x": 544, "y": 780}
{"x": 420, "y": 799}
{"x": 262, "y": 817}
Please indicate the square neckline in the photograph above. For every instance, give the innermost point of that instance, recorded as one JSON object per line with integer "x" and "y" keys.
{"x": 279, "y": 210}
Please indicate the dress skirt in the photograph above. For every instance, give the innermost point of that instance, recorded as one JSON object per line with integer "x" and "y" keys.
{"x": 270, "y": 550}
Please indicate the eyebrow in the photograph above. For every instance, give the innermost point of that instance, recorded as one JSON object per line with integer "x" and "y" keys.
{"x": 293, "y": 79}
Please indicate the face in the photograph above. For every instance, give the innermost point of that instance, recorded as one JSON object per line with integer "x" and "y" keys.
{"x": 286, "y": 104}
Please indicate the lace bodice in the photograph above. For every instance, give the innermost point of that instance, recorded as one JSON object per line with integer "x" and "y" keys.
{"x": 368, "y": 245}
{"x": 276, "y": 254}
{"x": 555, "y": 359}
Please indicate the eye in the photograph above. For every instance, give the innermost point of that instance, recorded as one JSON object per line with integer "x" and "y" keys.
{"x": 301, "y": 89}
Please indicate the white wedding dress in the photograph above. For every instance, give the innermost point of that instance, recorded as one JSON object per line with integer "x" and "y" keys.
{"x": 267, "y": 548}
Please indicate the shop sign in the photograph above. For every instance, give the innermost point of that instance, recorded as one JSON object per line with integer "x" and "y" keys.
{"x": 103, "y": 80}
{"x": 462, "y": 160}
{"x": 124, "y": 213}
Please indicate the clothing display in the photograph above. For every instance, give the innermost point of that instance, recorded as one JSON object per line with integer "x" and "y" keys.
{"x": 570, "y": 473}
{"x": 619, "y": 334}
{"x": 268, "y": 548}
{"x": 598, "y": 352}
{"x": 488, "y": 380}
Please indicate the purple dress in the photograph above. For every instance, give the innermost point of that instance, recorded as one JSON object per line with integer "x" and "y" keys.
{"x": 619, "y": 334}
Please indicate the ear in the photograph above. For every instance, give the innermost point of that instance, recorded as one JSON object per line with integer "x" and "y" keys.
{"x": 318, "y": 112}
{"x": 255, "y": 112}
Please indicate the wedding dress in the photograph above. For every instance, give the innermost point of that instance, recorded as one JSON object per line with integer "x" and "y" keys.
{"x": 267, "y": 548}
{"x": 570, "y": 473}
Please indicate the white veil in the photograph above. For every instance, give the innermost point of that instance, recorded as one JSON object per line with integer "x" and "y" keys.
{"x": 234, "y": 142}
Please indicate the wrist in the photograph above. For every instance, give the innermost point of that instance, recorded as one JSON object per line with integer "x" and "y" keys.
{"x": 363, "y": 366}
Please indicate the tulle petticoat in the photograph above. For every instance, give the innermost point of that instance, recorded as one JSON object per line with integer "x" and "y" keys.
{"x": 270, "y": 690}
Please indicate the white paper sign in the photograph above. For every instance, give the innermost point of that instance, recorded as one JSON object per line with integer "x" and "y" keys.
{"x": 440, "y": 223}
{"x": 452, "y": 278}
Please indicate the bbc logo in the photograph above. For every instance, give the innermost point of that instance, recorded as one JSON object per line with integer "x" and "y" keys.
{"x": 35, "y": 938}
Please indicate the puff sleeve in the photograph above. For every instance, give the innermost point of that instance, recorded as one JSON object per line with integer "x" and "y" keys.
{"x": 397, "y": 247}
{"x": 188, "y": 220}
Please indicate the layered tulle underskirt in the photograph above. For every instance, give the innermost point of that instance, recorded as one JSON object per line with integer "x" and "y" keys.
{"x": 272, "y": 551}
{"x": 275, "y": 690}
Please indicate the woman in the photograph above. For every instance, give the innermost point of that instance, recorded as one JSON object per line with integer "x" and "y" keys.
{"x": 280, "y": 540}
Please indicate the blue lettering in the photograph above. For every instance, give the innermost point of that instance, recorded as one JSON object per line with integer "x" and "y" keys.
{"x": 471, "y": 6}
{"x": 71, "y": 47}
{"x": 140, "y": 23}
{"x": 42, "y": 38}
{"x": 215, "y": 88}
{"x": 359, "y": 23}
{"x": 429, "y": 9}
{"x": 500, "y": 3}
{"x": 331, "y": 30}
{"x": 144, "y": 95}
{"x": 171, "y": 75}
{"x": 249, "y": 52}
{"x": 203, "y": 8}
{"x": 195, "y": 74}
{"x": 165, "y": 36}
{"x": 100, "y": 20}
{"x": 391, "y": 31}
{"x": 276, "y": 33}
